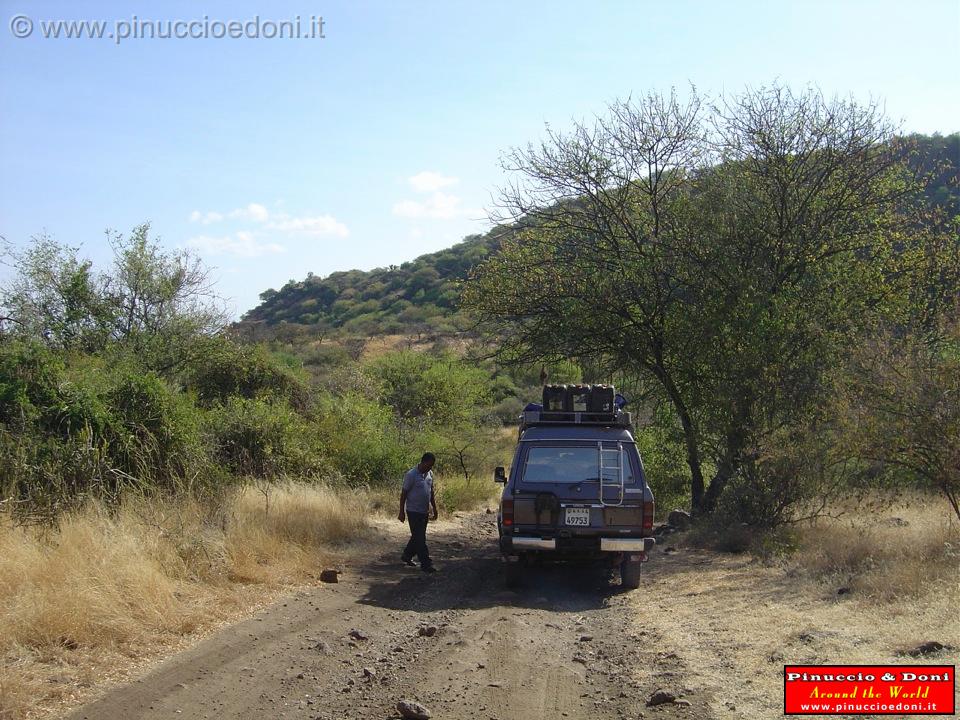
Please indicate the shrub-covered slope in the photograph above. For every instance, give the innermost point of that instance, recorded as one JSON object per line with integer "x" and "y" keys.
{"x": 418, "y": 294}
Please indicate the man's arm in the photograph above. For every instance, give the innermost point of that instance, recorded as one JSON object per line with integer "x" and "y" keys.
{"x": 404, "y": 489}
{"x": 433, "y": 503}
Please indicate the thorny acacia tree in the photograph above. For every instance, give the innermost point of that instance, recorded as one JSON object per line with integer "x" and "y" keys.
{"x": 724, "y": 254}
{"x": 901, "y": 405}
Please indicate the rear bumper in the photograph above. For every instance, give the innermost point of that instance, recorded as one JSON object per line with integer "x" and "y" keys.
{"x": 521, "y": 542}
{"x": 626, "y": 544}
{"x": 511, "y": 544}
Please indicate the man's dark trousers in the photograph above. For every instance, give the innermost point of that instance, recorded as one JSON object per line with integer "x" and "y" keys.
{"x": 417, "y": 547}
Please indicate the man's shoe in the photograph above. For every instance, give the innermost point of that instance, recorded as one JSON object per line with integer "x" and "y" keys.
{"x": 408, "y": 561}
{"x": 429, "y": 569}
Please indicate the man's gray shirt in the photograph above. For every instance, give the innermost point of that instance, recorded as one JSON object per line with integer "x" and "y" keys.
{"x": 418, "y": 487}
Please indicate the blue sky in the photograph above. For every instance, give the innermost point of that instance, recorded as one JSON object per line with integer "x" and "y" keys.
{"x": 380, "y": 142}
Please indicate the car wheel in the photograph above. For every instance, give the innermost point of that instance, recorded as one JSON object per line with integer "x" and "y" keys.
{"x": 630, "y": 572}
{"x": 512, "y": 574}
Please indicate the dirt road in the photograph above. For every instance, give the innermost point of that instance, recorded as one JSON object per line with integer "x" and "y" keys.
{"x": 714, "y": 629}
{"x": 458, "y": 642}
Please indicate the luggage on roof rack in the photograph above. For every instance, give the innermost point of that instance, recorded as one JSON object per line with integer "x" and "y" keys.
{"x": 619, "y": 418}
{"x": 602, "y": 399}
{"x": 578, "y": 398}
{"x": 555, "y": 398}
{"x": 576, "y": 405}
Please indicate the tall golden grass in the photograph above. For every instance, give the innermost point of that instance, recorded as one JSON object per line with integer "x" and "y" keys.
{"x": 108, "y": 584}
{"x": 894, "y": 545}
{"x": 901, "y": 547}
{"x": 457, "y": 493}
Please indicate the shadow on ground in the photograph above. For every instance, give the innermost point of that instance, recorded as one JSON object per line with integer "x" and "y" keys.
{"x": 471, "y": 576}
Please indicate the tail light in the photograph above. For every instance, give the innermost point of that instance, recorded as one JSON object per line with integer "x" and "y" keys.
{"x": 506, "y": 512}
{"x": 648, "y": 516}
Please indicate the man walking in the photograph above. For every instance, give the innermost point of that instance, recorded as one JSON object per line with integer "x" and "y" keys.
{"x": 416, "y": 498}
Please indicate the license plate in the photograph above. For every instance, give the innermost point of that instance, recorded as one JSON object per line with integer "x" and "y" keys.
{"x": 578, "y": 516}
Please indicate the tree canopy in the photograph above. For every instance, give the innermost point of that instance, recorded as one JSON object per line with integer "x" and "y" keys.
{"x": 727, "y": 255}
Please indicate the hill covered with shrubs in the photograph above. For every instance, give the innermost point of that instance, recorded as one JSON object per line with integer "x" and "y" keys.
{"x": 418, "y": 295}
{"x": 127, "y": 377}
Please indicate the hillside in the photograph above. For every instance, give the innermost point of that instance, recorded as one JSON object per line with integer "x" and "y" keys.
{"x": 939, "y": 155}
{"x": 416, "y": 295}
{"x": 422, "y": 295}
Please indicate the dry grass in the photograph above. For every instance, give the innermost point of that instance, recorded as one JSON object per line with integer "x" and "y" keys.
{"x": 456, "y": 493}
{"x": 895, "y": 549}
{"x": 106, "y": 588}
{"x": 726, "y": 624}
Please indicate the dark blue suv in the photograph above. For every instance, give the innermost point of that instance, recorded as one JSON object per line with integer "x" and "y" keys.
{"x": 576, "y": 491}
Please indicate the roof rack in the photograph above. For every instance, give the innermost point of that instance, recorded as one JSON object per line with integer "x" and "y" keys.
{"x": 619, "y": 418}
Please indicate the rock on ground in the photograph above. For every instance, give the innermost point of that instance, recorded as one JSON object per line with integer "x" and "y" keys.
{"x": 661, "y": 697}
{"x": 413, "y": 710}
{"x": 679, "y": 519}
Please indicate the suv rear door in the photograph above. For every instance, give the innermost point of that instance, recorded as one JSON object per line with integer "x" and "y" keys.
{"x": 578, "y": 485}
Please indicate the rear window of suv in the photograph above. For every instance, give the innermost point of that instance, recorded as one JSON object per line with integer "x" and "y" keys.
{"x": 572, "y": 464}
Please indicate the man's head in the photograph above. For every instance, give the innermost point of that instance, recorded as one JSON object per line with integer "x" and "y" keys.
{"x": 426, "y": 462}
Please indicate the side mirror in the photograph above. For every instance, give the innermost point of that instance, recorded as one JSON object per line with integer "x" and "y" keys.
{"x": 499, "y": 474}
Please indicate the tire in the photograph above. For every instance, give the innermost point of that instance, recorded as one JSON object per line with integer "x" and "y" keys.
{"x": 630, "y": 573}
{"x": 512, "y": 574}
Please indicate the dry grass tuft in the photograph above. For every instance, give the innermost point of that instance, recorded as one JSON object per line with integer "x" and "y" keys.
{"x": 111, "y": 584}
{"x": 903, "y": 551}
{"x": 275, "y": 534}
{"x": 457, "y": 493}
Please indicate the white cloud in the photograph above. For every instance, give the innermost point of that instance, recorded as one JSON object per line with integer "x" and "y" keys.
{"x": 426, "y": 181}
{"x": 310, "y": 225}
{"x": 439, "y": 206}
{"x": 205, "y": 218}
{"x": 241, "y": 244}
{"x": 253, "y": 211}
{"x": 315, "y": 225}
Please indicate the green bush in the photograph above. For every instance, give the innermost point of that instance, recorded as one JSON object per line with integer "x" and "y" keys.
{"x": 29, "y": 377}
{"x": 223, "y": 369}
{"x": 508, "y": 410}
{"x": 76, "y": 407}
{"x": 154, "y": 433}
{"x": 363, "y": 442}
{"x": 326, "y": 356}
{"x": 437, "y": 389}
{"x": 90, "y": 429}
{"x": 664, "y": 462}
{"x": 263, "y": 439}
